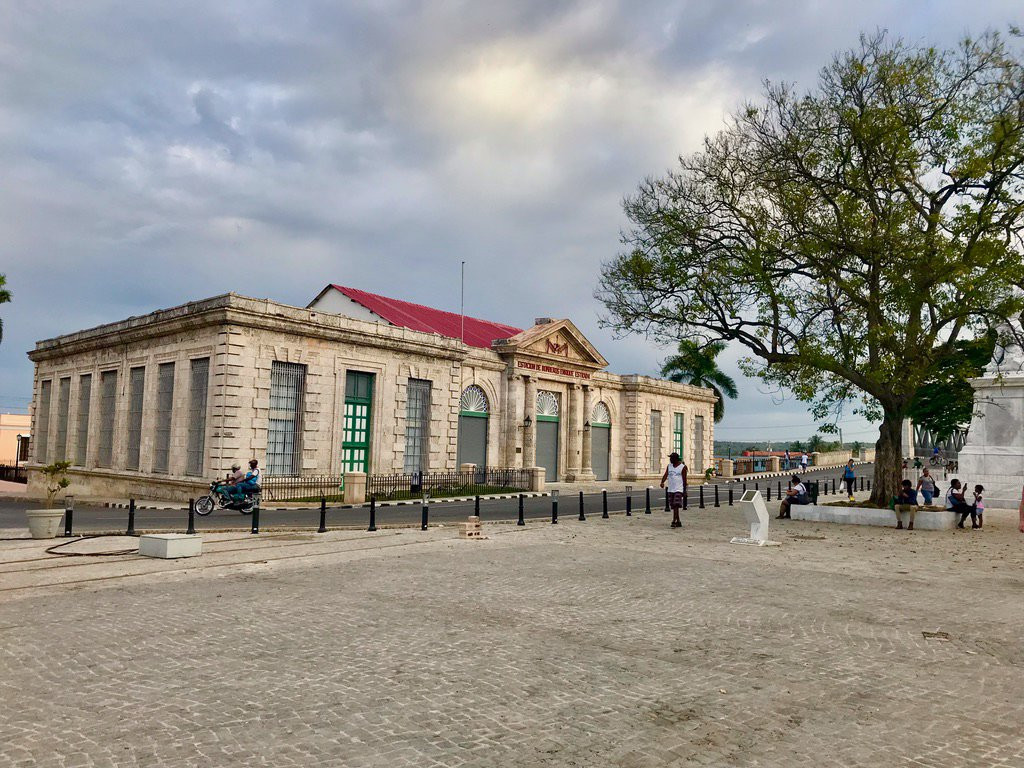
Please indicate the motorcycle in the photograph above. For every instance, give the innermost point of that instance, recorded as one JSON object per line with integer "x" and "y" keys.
{"x": 220, "y": 497}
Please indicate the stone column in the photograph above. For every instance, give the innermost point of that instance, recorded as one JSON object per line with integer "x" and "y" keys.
{"x": 587, "y": 470}
{"x": 573, "y": 431}
{"x": 529, "y": 422}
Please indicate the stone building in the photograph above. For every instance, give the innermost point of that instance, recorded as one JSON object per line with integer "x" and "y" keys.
{"x": 155, "y": 406}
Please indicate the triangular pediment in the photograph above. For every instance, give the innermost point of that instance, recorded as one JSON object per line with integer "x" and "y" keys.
{"x": 556, "y": 341}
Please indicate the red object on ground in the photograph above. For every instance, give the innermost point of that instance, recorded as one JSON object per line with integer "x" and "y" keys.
{"x": 416, "y": 317}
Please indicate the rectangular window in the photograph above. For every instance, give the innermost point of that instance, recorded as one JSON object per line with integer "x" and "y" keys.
{"x": 84, "y": 401}
{"x": 136, "y": 390}
{"x": 284, "y": 433}
{"x": 108, "y": 401}
{"x": 656, "y": 457}
{"x": 355, "y": 449}
{"x": 199, "y": 381}
{"x": 164, "y": 404}
{"x": 417, "y": 426}
{"x": 677, "y": 434}
{"x": 63, "y": 405}
{"x": 43, "y": 421}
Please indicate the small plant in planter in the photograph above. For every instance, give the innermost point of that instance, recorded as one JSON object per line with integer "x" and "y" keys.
{"x": 56, "y": 480}
{"x": 43, "y": 523}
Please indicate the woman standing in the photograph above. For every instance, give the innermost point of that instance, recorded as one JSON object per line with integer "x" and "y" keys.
{"x": 926, "y": 485}
{"x": 675, "y": 475}
{"x": 850, "y": 478}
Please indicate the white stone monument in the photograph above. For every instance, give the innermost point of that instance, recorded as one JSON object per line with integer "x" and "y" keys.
{"x": 993, "y": 455}
{"x": 753, "y": 509}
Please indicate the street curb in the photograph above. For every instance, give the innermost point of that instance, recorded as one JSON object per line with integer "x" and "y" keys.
{"x": 380, "y": 504}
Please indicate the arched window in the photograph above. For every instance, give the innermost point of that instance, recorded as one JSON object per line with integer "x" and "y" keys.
{"x": 473, "y": 400}
{"x": 547, "y": 404}
{"x": 600, "y": 415}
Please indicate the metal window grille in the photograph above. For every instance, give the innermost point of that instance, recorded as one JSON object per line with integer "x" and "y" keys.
{"x": 677, "y": 435}
{"x": 164, "y": 404}
{"x": 417, "y": 426}
{"x": 84, "y": 402}
{"x": 63, "y": 405}
{"x": 655, "y": 441}
{"x": 108, "y": 401}
{"x": 43, "y": 421}
{"x": 198, "y": 385}
{"x": 284, "y": 433}
{"x": 136, "y": 390}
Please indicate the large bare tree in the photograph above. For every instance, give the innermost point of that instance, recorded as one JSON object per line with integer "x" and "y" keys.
{"x": 848, "y": 236}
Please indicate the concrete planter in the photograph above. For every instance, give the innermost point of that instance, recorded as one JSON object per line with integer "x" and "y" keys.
{"x": 44, "y": 523}
{"x": 924, "y": 520}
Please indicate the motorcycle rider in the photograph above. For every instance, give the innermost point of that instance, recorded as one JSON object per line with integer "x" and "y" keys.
{"x": 249, "y": 484}
{"x": 237, "y": 475}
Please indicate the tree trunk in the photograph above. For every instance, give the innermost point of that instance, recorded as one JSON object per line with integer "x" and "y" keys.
{"x": 888, "y": 460}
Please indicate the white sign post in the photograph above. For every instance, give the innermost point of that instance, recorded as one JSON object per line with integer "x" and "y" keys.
{"x": 755, "y": 512}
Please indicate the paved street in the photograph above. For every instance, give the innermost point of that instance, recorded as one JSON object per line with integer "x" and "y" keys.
{"x": 605, "y": 643}
{"x": 91, "y": 518}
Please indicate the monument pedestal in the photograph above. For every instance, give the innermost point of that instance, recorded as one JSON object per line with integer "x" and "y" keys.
{"x": 993, "y": 455}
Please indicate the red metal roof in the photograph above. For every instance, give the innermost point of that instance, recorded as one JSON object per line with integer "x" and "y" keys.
{"x": 416, "y": 317}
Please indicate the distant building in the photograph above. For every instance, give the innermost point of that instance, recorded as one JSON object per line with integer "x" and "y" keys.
{"x": 14, "y": 437}
{"x": 155, "y": 406}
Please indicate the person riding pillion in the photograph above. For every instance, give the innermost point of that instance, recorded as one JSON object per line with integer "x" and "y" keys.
{"x": 250, "y": 484}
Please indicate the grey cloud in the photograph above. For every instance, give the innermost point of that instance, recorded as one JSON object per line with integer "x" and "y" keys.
{"x": 157, "y": 153}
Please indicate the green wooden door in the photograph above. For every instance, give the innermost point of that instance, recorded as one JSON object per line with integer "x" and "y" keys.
{"x": 355, "y": 449}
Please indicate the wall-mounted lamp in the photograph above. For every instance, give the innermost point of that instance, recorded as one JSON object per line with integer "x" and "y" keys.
{"x": 586, "y": 426}
{"x": 527, "y": 421}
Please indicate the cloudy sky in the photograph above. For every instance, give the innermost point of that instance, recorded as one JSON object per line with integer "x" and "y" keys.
{"x": 154, "y": 153}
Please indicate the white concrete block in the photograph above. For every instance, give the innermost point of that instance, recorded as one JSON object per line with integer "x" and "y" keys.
{"x": 924, "y": 520}
{"x": 170, "y": 545}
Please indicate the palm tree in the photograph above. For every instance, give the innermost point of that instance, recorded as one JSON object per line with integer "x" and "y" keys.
{"x": 5, "y": 296}
{"x": 697, "y": 366}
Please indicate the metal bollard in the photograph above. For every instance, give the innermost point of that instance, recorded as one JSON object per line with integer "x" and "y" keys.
{"x": 582, "y": 516}
{"x": 521, "y": 520}
{"x": 716, "y": 496}
{"x": 476, "y": 505}
{"x": 730, "y": 497}
{"x": 869, "y": 484}
{"x": 255, "y": 519}
{"x": 191, "y": 516}
{"x": 373, "y": 514}
{"x": 629, "y": 505}
{"x": 69, "y": 514}
{"x": 554, "y": 507}
{"x": 604, "y": 504}
{"x": 744, "y": 487}
{"x": 323, "y": 516}
{"x": 778, "y": 490}
{"x": 423, "y": 515}
{"x": 131, "y": 518}
{"x": 666, "y": 498}
{"x": 862, "y": 483}
{"x": 686, "y": 496}
{"x": 833, "y": 486}
{"x": 701, "y": 493}
{"x": 769, "y": 497}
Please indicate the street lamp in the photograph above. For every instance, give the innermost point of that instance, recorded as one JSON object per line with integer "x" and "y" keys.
{"x": 527, "y": 421}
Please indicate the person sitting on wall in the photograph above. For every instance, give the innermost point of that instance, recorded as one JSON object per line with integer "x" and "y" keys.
{"x": 797, "y": 494}
{"x": 956, "y": 504}
{"x": 250, "y": 484}
{"x": 906, "y": 503}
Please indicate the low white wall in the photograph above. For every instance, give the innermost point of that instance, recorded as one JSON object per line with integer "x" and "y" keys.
{"x": 925, "y": 520}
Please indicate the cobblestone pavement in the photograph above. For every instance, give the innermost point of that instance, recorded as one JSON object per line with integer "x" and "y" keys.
{"x": 604, "y": 643}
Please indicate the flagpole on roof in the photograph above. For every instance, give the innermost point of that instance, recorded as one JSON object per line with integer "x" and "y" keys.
{"x": 462, "y": 306}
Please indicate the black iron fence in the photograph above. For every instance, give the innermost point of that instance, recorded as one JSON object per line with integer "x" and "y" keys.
{"x": 304, "y": 488}
{"x": 396, "y": 486}
{"x": 13, "y": 474}
{"x": 442, "y": 484}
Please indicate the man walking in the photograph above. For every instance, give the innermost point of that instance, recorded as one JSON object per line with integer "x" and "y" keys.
{"x": 803, "y": 461}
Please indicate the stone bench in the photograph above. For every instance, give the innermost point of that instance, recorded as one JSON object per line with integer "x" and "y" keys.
{"x": 924, "y": 520}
